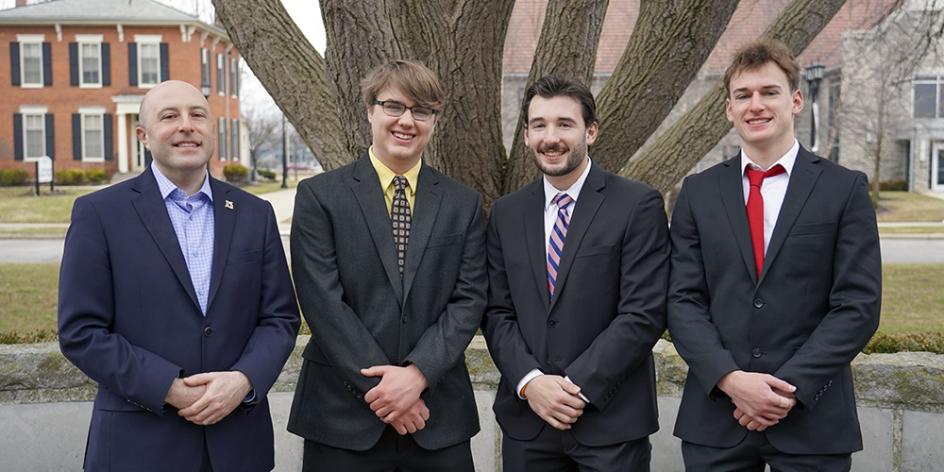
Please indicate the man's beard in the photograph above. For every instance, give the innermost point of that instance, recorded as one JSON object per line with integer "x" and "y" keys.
{"x": 574, "y": 158}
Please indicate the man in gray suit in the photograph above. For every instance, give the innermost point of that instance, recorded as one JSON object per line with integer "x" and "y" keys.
{"x": 389, "y": 260}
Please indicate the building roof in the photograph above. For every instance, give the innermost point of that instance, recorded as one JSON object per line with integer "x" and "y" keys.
{"x": 749, "y": 21}
{"x": 141, "y": 12}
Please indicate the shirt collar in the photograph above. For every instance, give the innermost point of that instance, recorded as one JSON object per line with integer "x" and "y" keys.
{"x": 551, "y": 191}
{"x": 167, "y": 187}
{"x": 787, "y": 160}
{"x": 386, "y": 175}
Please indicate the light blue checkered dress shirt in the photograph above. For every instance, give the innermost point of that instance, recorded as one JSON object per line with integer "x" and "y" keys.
{"x": 192, "y": 217}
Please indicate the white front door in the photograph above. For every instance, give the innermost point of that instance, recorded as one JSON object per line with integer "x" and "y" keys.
{"x": 937, "y": 167}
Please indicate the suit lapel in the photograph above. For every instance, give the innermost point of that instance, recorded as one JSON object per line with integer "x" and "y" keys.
{"x": 153, "y": 214}
{"x": 588, "y": 203}
{"x": 224, "y": 220}
{"x": 426, "y": 209}
{"x": 370, "y": 198}
{"x": 732, "y": 196}
{"x": 805, "y": 173}
{"x": 533, "y": 221}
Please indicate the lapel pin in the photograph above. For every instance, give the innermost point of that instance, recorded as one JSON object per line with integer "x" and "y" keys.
{"x": 229, "y": 205}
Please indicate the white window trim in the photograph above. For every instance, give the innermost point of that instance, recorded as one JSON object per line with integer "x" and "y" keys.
{"x": 33, "y": 111}
{"x": 141, "y": 83}
{"x": 92, "y": 111}
{"x": 31, "y": 39}
{"x": 929, "y": 78}
{"x": 221, "y": 67}
{"x": 90, "y": 39}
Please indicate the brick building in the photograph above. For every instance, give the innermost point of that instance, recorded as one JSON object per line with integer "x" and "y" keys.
{"x": 73, "y": 73}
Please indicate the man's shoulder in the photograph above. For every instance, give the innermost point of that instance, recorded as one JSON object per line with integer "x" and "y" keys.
{"x": 451, "y": 186}
{"x": 230, "y": 191}
{"x": 623, "y": 186}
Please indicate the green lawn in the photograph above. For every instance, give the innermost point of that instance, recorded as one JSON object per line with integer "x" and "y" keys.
{"x": 912, "y": 303}
{"x": 908, "y": 206}
{"x": 19, "y": 205}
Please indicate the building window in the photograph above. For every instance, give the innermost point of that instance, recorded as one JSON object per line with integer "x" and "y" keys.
{"x": 93, "y": 137}
{"x": 90, "y": 63}
{"x": 234, "y": 133}
{"x": 832, "y": 120}
{"x": 34, "y": 135}
{"x": 149, "y": 64}
{"x": 928, "y": 96}
{"x": 220, "y": 75}
{"x": 205, "y": 69}
{"x": 31, "y": 64}
{"x": 222, "y": 138}
{"x": 234, "y": 76}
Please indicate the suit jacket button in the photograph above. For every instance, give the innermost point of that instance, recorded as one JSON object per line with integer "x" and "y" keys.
{"x": 758, "y": 303}
{"x": 403, "y": 320}
{"x": 756, "y": 353}
{"x": 207, "y": 331}
{"x": 551, "y": 323}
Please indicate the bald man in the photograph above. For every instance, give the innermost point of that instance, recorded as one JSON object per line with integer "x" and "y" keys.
{"x": 175, "y": 297}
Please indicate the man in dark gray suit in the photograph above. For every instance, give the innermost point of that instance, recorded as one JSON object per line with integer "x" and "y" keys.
{"x": 578, "y": 266}
{"x": 388, "y": 258}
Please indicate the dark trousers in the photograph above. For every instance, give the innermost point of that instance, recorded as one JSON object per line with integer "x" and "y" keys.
{"x": 753, "y": 453}
{"x": 554, "y": 450}
{"x": 391, "y": 453}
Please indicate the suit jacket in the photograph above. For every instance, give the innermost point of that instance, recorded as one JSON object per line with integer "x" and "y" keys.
{"x": 813, "y": 310}
{"x": 607, "y": 312}
{"x": 362, "y": 313}
{"x": 130, "y": 320}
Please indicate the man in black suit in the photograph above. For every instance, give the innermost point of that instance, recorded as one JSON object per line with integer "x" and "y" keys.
{"x": 775, "y": 288}
{"x": 388, "y": 257}
{"x": 578, "y": 267}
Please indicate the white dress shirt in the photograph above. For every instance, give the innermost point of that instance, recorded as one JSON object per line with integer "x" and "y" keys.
{"x": 773, "y": 189}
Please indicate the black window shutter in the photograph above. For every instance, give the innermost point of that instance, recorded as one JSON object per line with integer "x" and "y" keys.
{"x": 106, "y": 64}
{"x": 236, "y": 77}
{"x": 50, "y": 136}
{"x": 220, "y": 74}
{"x": 74, "y": 64}
{"x": 18, "y": 136}
{"x": 76, "y": 137}
{"x": 47, "y": 64}
{"x": 15, "y": 63}
{"x": 165, "y": 66}
{"x": 204, "y": 67}
{"x": 109, "y": 136}
{"x": 132, "y": 63}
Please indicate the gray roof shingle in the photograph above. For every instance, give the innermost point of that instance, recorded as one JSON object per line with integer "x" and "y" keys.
{"x": 110, "y": 11}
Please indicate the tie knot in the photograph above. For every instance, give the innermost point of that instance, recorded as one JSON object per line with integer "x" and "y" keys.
{"x": 756, "y": 177}
{"x": 400, "y": 182}
{"x": 562, "y": 200}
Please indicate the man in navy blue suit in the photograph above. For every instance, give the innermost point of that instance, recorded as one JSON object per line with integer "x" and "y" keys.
{"x": 175, "y": 297}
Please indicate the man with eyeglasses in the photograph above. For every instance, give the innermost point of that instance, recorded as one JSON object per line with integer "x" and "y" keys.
{"x": 388, "y": 257}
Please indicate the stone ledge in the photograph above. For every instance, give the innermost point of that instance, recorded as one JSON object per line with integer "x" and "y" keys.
{"x": 38, "y": 373}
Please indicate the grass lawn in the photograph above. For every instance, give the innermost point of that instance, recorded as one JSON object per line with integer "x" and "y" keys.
{"x": 913, "y": 301}
{"x": 33, "y": 232}
{"x": 19, "y": 205}
{"x": 908, "y": 206}
{"x": 911, "y": 230}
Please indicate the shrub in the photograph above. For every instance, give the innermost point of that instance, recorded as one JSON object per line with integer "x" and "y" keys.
{"x": 266, "y": 174}
{"x": 96, "y": 176}
{"x": 70, "y": 177}
{"x": 893, "y": 185}
{"x": 9, "y": 177}
{"x": 235, "y": 173}
{"x": 909, "y": 342}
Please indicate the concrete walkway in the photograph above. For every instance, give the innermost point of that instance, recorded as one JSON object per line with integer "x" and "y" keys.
{"x": 283, "y": 202}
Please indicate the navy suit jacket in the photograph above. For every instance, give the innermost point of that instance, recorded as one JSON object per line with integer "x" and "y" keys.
{"x": 130, "y": 320}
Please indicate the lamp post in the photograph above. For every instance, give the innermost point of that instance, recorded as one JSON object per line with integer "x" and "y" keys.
{"x": 284, "y": 154}
{"x": 814, "y": 75}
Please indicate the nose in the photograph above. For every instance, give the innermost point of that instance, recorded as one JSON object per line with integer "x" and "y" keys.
{"x": 406, "y": 119}
{"x": 756, "y": 102}
{"x": 185, "y": 124}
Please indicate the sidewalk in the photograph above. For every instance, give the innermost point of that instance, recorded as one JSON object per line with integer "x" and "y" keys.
{"x": 283, "y": 202}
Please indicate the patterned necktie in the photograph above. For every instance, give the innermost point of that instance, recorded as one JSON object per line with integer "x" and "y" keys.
{"x": 555, "y": 244}
{"x": 755, "y": 211}
{"x": 400, "y": 216}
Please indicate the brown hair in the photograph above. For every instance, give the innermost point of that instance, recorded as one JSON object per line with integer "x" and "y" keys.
{"x": 551, "y": 86}
{"x": 412, "y": 78}
{"x": 758, "y": 53}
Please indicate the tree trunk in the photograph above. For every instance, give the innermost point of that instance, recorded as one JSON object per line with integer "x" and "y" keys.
{"x": 670, "y": 43}
{"x": 677, "y": 150}
{"x": 290, "y": 69}
{"x": 567, "y": 47}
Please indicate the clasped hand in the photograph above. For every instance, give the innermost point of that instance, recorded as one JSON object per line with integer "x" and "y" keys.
{"x": 555, "y": 400}
{"x": 396, "y": 399}
{"x": 205, "y": 399}
{"x": 760, "y": 400}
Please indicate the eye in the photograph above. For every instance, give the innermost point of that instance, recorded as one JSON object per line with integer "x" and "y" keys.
{"x": 537, "y": 126}
{"x": 168, "y": 116}
{"x": 566, "y": 125}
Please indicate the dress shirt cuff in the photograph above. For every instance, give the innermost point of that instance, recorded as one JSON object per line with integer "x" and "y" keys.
{"x": 250, "y": 398}
{"x": 582, "y": 397}
{"x": 524, "y": 381}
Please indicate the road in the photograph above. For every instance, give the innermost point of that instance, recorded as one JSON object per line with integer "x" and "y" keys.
{"x": 893, "y": 250}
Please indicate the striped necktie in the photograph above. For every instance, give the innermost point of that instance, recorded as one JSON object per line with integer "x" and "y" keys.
{"x": 555, "y": 244}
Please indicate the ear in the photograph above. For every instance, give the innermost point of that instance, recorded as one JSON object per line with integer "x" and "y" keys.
{"x": 797, "y": 101}
{"x": 728, "y": 113}
{"x": 142, "y": 135}
{"x": 524, "y": 131}
{"x": 370, "y": 114}
{"x": 592, "y": 132}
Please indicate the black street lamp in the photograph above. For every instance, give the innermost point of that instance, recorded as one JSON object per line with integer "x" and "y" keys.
{"x": 284, "y": 154}
{"x": 814, "y": 75}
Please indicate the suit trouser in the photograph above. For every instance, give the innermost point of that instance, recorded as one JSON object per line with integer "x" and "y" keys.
{"x": 555, "y": 450}
{"x": 751, "y": 454}
{"x": 391, "y": 453}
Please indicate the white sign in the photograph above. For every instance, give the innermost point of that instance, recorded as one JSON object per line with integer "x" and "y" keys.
{"x": 44, "y": 175}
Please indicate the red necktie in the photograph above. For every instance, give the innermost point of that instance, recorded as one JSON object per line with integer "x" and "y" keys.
{"x": 755, "y": 211}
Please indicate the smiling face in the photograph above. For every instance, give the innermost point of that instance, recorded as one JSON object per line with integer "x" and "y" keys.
{"x": 558, "y": 138}
{"x": 398, "y": 141}
{"x": 761, "y": 106}
{"x": 177, "y": 128}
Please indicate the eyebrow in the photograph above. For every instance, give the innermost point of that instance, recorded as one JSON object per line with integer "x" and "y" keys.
{"x": 199, "y": 108}
{"x": 765, "y": 87}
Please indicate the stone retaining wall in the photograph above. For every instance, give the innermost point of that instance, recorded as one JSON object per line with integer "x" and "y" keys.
{"x": 45, "y": 408}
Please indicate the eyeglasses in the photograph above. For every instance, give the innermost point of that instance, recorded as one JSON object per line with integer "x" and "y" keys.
{"x": 394, "y": 108}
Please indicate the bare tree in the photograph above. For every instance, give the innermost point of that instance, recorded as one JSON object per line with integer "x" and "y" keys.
{"x": 462, "y": 40}
{"x": 264, "y": 132}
